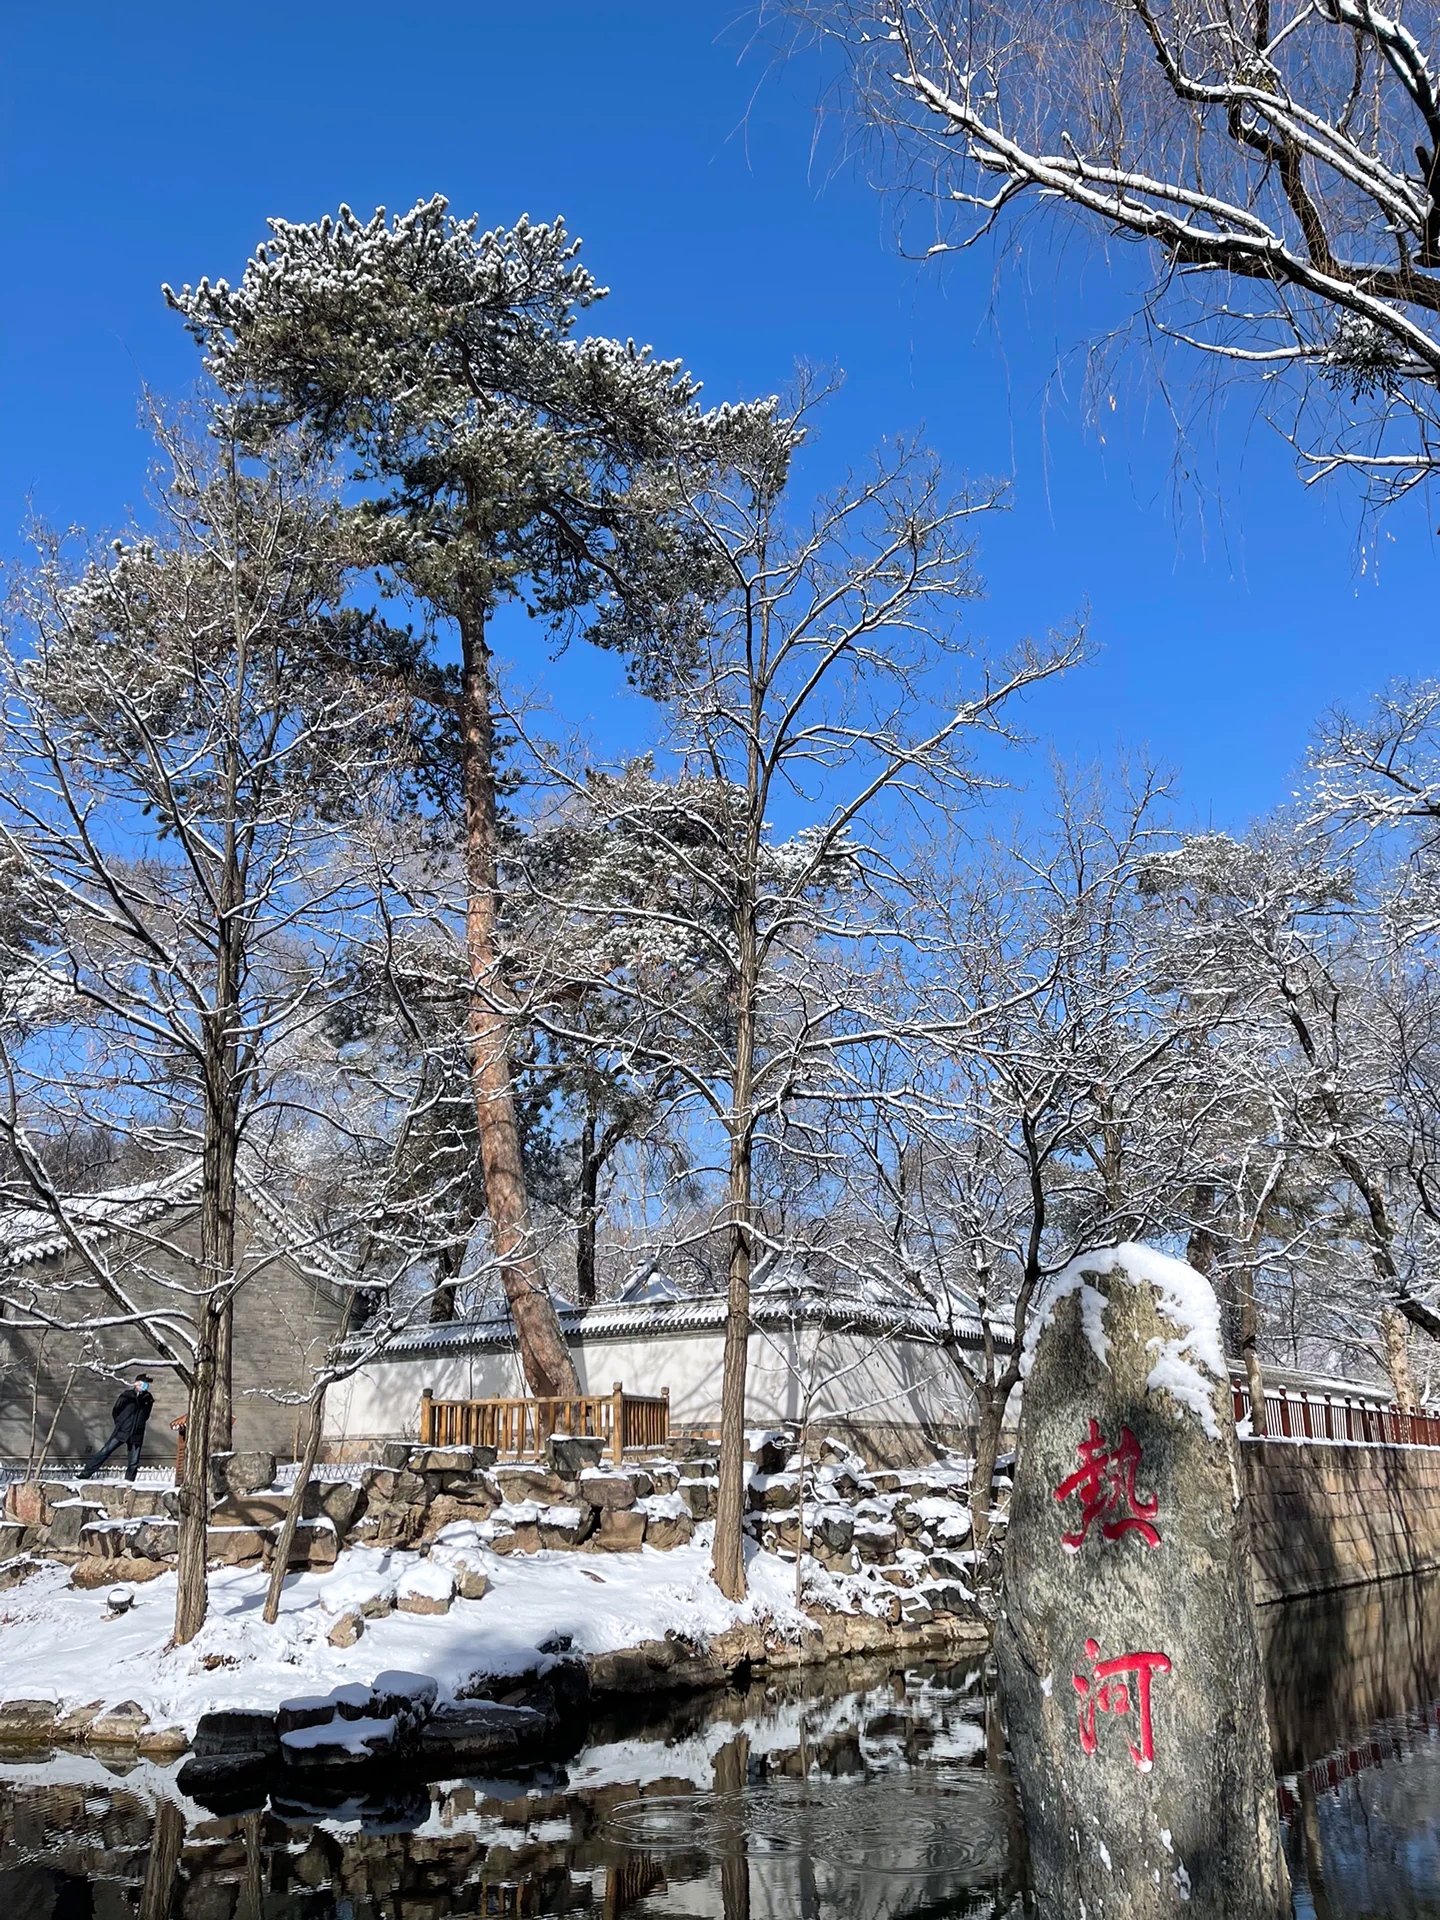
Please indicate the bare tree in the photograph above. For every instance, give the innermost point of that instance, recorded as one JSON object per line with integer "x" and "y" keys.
{"x": 824, "y": 1340}
{"x": 1042, "y": 1114}
{"x": 1338, "y": 1037}
{"x": 1376, "y": 776}
{"x": 1280, "y": 158}
{"x": 190, "y": 720}
{"x": 822, "y": 699}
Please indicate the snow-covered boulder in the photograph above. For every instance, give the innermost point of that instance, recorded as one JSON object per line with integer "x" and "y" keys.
{"x": 1126, "y": 1640}
{"x": 426, "y": 1587}
{"x": 610, "y": 1490}
{"x": 561, "y": 1527}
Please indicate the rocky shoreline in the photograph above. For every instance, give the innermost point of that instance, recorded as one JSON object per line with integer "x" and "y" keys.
{"x": 500, "y": 1603}
{"x": 566, "y": 1836}
{"x": 513, "y": 1720}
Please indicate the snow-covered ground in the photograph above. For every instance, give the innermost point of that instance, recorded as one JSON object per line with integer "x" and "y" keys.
{"x": 66, "y": 1645}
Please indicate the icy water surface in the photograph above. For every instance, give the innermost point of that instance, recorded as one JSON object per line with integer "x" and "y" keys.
{"x": 857, "y": 1794}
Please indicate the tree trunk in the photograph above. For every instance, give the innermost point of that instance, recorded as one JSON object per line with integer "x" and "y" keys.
{"x": 217, "y": 1250}
{"x": 589, "y": 1190}
{"x": 801, "y": 1538}
{"x": 731, "y": 1776}
{"x": 35, "y": 1374}
{"x": 1201, "y": 1249}
{"x": 280, "y": 1566}
{"x": 1250, "y": 1351}
{"x": 203, "y": 1432}
{"x": 296, "y": 1507}
{"x": 1419, "y": 1315}
{"x": 1397, "y": 1358}
{"x": 222, "y": 1419}
{"x": 162, "y": 1861}
{"x": 728, "y": 1562}
{"x": 221, "y": 1073}
{"x": 32, "y": 1471}
{"x": 448, "y": 1263}
{"x": 1202, "y": 1253}
{"x": 728, "y": 1554}
{"x": 543, "y": 1353}
{"x": 193, "y": 1494}
{"x": 992, "y": 1388}
{"x": 252, "y": 1890}
{"x": 990, "y": 1413}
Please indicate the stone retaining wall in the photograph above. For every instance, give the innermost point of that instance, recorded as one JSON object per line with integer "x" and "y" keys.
{"x": 901, "y": 1538}
{"x": 1324, "y": 1517}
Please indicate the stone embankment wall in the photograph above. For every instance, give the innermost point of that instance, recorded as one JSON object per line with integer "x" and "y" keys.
{"x": 1325, "y": 1517}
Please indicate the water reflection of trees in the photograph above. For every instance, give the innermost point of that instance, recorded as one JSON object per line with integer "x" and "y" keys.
{"x": 1354, "y": 1683}
{"x": 786, "y": 1803}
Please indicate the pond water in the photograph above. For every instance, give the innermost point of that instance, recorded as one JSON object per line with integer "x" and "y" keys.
{"x": 863, "y": 1792}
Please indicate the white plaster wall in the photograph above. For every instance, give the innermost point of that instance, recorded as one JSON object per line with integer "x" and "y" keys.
{"x": 854, "y": 1377}
{"x": 850, "y": 1376}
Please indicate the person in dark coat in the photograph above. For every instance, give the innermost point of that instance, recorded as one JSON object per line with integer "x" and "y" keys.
{"x": 130, "y": 1413}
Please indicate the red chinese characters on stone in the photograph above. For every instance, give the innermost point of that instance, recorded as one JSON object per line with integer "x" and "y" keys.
{"x": 1105, "y": 1482}
{"x": 1118, "y": 1686}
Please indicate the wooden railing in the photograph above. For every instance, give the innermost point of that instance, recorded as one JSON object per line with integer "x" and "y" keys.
{"x": 1304, "y": 1416}
{"x": 522, "y": 1429}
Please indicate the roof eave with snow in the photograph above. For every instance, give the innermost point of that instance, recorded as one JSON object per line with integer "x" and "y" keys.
{"x": 656, "y": 1320}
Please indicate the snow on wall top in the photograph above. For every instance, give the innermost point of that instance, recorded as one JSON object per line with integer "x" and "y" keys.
{"x": 1191, "y": 1365}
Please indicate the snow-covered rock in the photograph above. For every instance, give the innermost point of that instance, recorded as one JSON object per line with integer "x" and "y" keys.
{"x": 427, "y": 1587}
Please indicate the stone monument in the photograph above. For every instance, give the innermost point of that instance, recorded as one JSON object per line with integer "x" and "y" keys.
{"x": 1131, "y": 1679}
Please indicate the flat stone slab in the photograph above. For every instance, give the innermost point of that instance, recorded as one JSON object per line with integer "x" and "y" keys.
{"x": 482, "y": 1732}
{"x": 339, "y": 1743}
{"x": 608, "y": 1491}
{"x": 27, "y": 1720}
{"x": 235, "y": 1732}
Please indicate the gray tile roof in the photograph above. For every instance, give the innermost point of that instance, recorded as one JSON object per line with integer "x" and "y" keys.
{"x": 29, "y": 1236}
{"x": 701, "y": 1313}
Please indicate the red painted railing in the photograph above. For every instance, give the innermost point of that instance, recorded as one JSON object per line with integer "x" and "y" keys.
{"x": 1390, "y": 1741}
{"x": 1365, "y": 1423}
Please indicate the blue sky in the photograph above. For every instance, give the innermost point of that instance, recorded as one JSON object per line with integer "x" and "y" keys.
{"x": 149, "y": 144}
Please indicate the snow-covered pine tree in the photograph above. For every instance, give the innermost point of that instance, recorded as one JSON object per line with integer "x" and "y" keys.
{"x": 401, "y": 1024}
{"x": 501, "y": 459}
{"x": 620, "y": 914}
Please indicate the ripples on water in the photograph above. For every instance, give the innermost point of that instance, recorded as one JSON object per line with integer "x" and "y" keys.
{"x": 795, "y": 1802}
